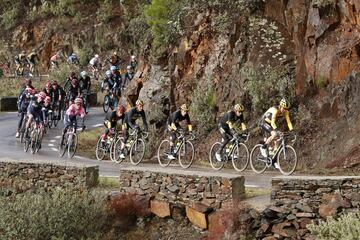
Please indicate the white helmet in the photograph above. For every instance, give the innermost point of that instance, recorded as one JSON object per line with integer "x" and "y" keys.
{"x": 96, "y": 55}
{"x": 132, "y": 57}
{"x": 128, "y": 67}
{"x": 83, "y": 74}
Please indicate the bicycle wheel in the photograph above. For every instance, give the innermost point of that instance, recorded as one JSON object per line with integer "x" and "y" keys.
{"x": 38, "y": 141}
{"x": 215, "y": 164}
{"x": 33, "y": 144}
{"x": 137, "y": 151}
{"x": 50, "y": 120}
{"x": 63, "y": 147}
{"x": 26, "y": 144}
{"x": 55, "y": 120}
{"x": 287, "y": 160}
{"x": 117, "y": 151}
{"x": 100, "y": 150}
{"x": 22, "y": 130}
{"x": 186, "y": 154}
{"x": 163, "y": 153}
{"x": 257, "y": 160}
{"x": 240, "y": 157}
{"x": 72, "y": 144}
{"x": 106, "y": 104}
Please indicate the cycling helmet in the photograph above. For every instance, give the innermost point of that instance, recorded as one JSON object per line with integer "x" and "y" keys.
{"x": 55, "y": 83}
{"x": 132, "y": 57}
{"x": 115, "y": 53}
{"x": 113, "y": 68}
{"x": 184, "y": 108}
{"x": 83, "y": 74}
{"x": 42, "y": 95}
{"x": 284, "y": 103}
{"x": 128, "y": 67}
{"x": 74, "y": 82}
{"x": 47, "y": 99}
{"x": 139, "y": 102}
{"x": 30, "y": 91}
{"x": 239, "y": 107}
{"x": 96, "y": 55}
{"x": 121, "y": 109}
{"x": 73, "y": 54}
{"x": 79, "y": 100}
{"x": 108, "y": 73}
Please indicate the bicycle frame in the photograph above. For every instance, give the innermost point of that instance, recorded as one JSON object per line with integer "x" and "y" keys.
{"x": 182, "y": 139}
{"x": 235, "y": 142}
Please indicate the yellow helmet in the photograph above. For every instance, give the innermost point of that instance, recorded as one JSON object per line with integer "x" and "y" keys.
{"x": 284, "y": 103}
{"x": 184, "y": 108}
{"x": 139, "y": 102}
{"x": 239, "y": 107}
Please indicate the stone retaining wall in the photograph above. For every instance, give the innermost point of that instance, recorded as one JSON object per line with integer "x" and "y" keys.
{"x": 211, "y": 191}
{"x": 20, "y": 176}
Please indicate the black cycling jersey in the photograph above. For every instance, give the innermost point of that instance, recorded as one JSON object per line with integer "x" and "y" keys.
{"x": 176, "y": 117}
{"x": 230, "y": 118}
{"x": 113, "y": 118}
{"x": 56, "y": 93}
{"x": 35, "y": 108}
{"x": 132, "y": 115}
{"x": 85, "y": 83}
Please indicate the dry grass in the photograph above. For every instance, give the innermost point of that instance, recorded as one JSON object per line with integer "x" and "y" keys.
{"x": 87, "y": 142}
{"x": 10, "y": 87}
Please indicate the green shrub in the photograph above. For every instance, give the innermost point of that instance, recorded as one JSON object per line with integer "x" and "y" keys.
{"x": 268, "y": 85}
{"x": 61, "y": 74}
{"x": 10, "y": 16}
{"x": 203, "y": 106}
{"x": 347, "y": 226}
{"x": 63, "y": 214}
{"x": 105, "y": 12}
{"x": 85, "y": 55}
{"x": 321, "y": 82}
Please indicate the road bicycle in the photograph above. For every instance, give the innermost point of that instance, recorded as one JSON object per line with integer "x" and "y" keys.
{"x": 110, "y": 100}
{"x": 183, "y": 150}
{"x": 135, "y": 147}
{"x": 23, "y": 128}
{"x": 107, "y": 146}
{"x": 236, "y": 150}
{"x": 33, "y": 141}
{"x": 285, "y": 156}
{"x": 69, "y": 143}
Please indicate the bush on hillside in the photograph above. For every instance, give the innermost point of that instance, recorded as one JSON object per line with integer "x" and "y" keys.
{"x": 268, "y": 85}
{"x": 62, "y": 214}
{"x": 347, "y": 226}
{"x": 203, "y": 106}
{"x": 10, "y": 15}
{"x": 105, "y": 12}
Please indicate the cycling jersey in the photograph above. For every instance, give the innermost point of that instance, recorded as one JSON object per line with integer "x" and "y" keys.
{"x": 85, "y": 84}
{"x": 24, "y": 101}
{"x": 72, "y": 111}
{"x": 56, "y": 93}
{"x": 114, "y": 60}
{"x": 175, "y": 118}
{"x": 35, "y": 109}
{"x": 55, "y": 58}
{"x": 73, "y": 92}
{"x": 133, "y": 64}
{"x": 72, "y": 59}
{"x": 112, "y": 118}
{"x": 94, "y": 62}
{"x": 32, "y": 57}
{"x": 272, "y": 114}
{"x": 229, "y": 120}
{"x": 132, "y": 115}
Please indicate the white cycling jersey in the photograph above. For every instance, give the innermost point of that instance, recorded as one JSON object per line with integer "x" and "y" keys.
{"x": 94, "y": 62}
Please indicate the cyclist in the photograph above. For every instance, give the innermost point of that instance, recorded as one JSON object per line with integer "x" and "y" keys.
{"x": 114, "y": 60}
{"x": 95, "y": 65}
{"x": 85, "y": 86}
{"x": 48, "y": 89}
{"x": 129, "y": 75}
{"x": 45, "y": 109}
{"x": 108, "y": 81}
{"x": 74, "y": 110}
{"x": 71, "y": 76}
{"x": 58, "y": 97}
{"x": 32, "y": 59}
{"x": 20, "y": 60}
{"x": 110, "y": 121}
{"x": 23, "y": 104}
{"x": 131, "y": 116}
{"x": 74, "y": 90}
{"x": 174, "y": 126}
{"x": 73, "y": 59}
{"x": 133, "y": 63}
{"x": 55, "y": 59}
{"x": 116, "y": 77}
{"x": 34, "y": 111}
{"x": 227, "y": 126}
{"x": 268, "y": 124}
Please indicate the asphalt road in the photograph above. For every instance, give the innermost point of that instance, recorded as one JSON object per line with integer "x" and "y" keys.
{"x": 10, "y": 147}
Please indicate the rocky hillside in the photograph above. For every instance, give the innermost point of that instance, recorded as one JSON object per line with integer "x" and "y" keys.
{"x": 212, "y": 54}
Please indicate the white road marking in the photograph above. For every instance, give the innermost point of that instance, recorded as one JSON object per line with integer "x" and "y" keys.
{"x": 97, "y": 125}
{"x": 54, "y": 149}
{"x": 52, "y": 140}
{"x": 252, "y": 186}
{"x": 57, "y": 137}
{"x": 51, "y": 145}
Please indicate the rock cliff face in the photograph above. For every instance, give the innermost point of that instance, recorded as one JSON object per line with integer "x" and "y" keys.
{"x": 307, "y": 50}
